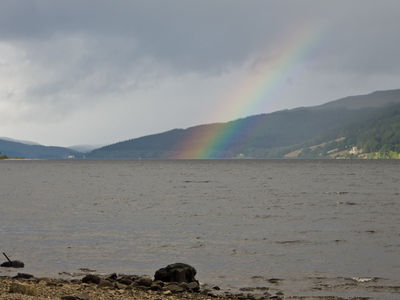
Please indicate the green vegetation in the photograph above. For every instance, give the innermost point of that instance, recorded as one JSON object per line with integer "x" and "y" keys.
{"x": 2, "y": 156}
{"x": 381, "y": 134}
{"x": 365, "y": 126}
{"x": 374, "y": 136}
{"x": 262, "y": 136}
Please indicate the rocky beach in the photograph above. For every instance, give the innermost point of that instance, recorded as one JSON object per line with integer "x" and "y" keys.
{"x": 24, "y": 287}
{"x": 175, "y": 281}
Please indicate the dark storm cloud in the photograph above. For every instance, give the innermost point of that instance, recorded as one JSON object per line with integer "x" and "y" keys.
{"x": 66, "y": 58}
{"x": 203, "y": 35}
{"x": 186, "y": 34}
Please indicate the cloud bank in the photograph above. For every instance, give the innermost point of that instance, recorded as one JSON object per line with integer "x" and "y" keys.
{"x": 78, "y": 72}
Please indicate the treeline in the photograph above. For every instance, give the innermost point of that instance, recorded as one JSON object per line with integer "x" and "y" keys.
{"x": 381, "y": 135}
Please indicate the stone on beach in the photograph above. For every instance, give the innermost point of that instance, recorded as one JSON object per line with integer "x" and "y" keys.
{"x": 194, "y": 286}
{"x": 144, "y": 281}
{"x": 91, "y": 279}
{"x": 125, "y": 280}
{"x": 13, "y": 264}
{"x": 157, "y": 285}
{"x": 23, "y": 276}
{"x": 104, "y": 283}
{"x": 177, "y": 272}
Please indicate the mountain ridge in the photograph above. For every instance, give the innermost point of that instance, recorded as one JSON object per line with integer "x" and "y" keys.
{"x": 258, "y": 136}
{"x": 265, "y": 135}
{"x": 14, "y": 149}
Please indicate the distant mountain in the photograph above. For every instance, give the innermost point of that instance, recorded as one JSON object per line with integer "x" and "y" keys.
{"x": 18, "y": 141}
{"x": 84, "y": 148}
{"x": 272, "y": 135}
{"x": 17, "y": 149}
{"x": 374, "y": 100}
{"x": 355, "y": 126}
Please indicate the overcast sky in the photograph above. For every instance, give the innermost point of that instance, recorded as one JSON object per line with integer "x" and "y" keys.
{"x": 98, "y": 72}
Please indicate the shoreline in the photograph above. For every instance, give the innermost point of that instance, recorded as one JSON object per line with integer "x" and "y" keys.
{"x": 112, "y": 286}
{"x": 177, "y": 282}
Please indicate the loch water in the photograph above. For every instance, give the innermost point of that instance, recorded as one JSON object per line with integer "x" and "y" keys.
{"x": 322, "y": 227}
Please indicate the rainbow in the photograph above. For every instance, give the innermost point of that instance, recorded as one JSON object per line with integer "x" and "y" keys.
{"x": 213, "y": 141}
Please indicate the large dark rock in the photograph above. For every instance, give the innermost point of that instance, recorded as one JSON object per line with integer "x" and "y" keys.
{"x": 13, "y": 264}
{"x": 91, "y": 279}
{"x": 178, "y": 272}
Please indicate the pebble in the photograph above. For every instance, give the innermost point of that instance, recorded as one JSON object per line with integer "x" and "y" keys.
{"x": 23, "y": 276}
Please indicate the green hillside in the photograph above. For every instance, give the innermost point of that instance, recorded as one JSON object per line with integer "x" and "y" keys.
{"x": 364, "y": 126}
{"x": 259, "y": 136}
{"x": 375, "y": 135}
{"x": 365, "y": 121}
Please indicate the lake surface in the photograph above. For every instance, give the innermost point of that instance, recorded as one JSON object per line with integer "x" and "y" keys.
{"x": 322, "y": 227}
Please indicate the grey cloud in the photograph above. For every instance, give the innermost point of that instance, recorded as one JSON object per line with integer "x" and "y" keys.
{"x": 205, "y": 35}
{"x": 187, "y": 34}
{"x": 76, "y": 54}
{"x": 198, "y": 36}
{"x": 86, "y": 66}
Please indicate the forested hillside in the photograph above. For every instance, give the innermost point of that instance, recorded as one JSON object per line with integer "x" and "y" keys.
{"x": 365, "y": 126}
{"x": 364, "y": 121}
{"x": 375, "y": 135}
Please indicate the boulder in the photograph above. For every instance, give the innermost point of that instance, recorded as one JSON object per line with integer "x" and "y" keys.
{"x": 177, "y": 272}
{"x": 13, "y": 264}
